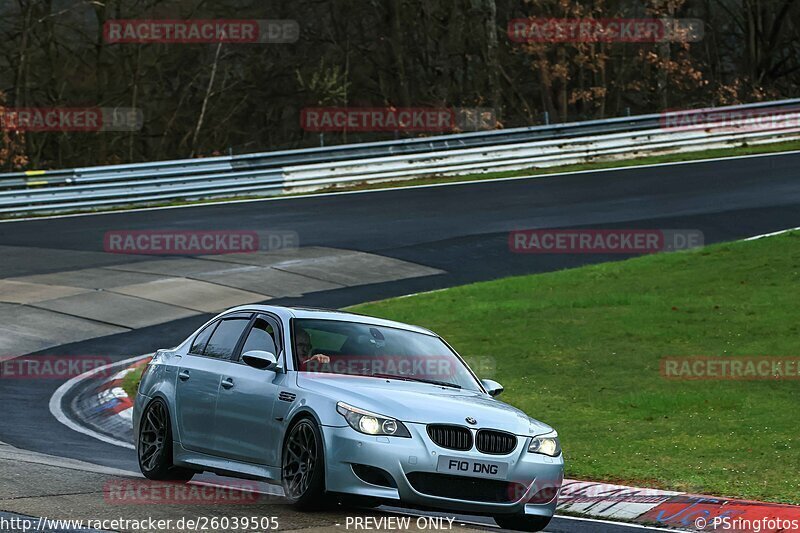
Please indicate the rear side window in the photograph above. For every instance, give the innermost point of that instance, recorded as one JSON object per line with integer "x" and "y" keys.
{"x": 199, "y": 344}
{"x": 224, "y": 339}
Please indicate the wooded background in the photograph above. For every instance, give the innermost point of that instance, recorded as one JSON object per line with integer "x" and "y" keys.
{"x": 367, "y": 53}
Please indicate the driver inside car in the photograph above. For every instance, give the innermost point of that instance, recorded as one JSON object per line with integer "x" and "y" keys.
{"x": 303, "y": 347}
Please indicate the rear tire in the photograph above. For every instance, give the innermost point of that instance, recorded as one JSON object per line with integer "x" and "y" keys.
{"x": 303, "y": 466}
{"x": 522, "y": 522}
{"x": 154, "y": 445}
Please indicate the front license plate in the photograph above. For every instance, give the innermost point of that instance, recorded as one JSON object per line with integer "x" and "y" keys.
{"x": 462, "y": 466}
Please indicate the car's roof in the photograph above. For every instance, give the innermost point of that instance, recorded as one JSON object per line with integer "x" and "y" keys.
{"x": 317, "y": 313}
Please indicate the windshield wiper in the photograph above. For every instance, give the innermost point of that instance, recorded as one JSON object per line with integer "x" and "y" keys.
{"x": 414, "y": 378}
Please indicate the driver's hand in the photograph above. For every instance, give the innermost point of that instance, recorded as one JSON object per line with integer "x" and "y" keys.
{"x": 322, "y": 359}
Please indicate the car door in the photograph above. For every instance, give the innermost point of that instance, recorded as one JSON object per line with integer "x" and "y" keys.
{"x": 199, "y": 376}
{"x": 246, "y": 425}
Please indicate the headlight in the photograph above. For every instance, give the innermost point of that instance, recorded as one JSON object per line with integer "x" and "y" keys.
{"x": 371, "y": 423}
{"x": 546, "y": 445}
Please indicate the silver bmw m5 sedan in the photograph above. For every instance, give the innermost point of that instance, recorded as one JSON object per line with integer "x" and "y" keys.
{"x": 338, "y": 406}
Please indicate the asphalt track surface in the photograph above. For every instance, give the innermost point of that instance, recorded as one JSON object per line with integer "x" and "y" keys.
{"x": 462, "y": 229}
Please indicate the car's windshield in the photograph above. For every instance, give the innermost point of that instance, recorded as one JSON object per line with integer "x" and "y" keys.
{"x": 339, "y": 347}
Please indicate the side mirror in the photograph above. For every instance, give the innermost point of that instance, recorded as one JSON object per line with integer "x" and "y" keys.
{"x": 260, "y": 359}
{"x": 492, "y": 387}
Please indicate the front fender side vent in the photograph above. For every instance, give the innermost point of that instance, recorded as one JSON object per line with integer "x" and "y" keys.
{"x": 287, "y": 396}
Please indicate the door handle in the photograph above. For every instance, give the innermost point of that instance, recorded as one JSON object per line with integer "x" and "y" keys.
{"x": 227, "y": 383}
{"x": 184, "y": 375}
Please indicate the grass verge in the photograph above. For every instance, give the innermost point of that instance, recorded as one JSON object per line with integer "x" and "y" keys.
{"x": 581, "y": 348}
{"x": 130, "y": 383}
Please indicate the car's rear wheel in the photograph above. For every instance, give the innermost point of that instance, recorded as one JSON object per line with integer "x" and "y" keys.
{"x": 303, "y": 466}
{"x": 154, "y": 447}
{"x": 522, "y": 522}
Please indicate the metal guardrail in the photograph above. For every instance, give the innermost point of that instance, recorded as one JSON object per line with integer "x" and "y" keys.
{"x": 530, "y": 155}
{"x": 315, "y": 168}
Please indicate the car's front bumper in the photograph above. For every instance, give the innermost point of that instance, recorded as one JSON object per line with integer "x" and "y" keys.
{"x": 532, "y": 480}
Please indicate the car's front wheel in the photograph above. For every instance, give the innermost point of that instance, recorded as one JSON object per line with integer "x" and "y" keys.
{"x": 303, "y": 466}
{"x": 154, "y": 447}
{"x": 522, "y": 522}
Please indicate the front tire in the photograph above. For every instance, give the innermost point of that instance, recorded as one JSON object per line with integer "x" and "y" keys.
{"x": 154, "y": 446}
{"x": 522, "y": 522}
{"x": 303, "y": 466}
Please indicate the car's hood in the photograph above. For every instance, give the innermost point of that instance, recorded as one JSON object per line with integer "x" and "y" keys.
{"x": 422, "y": 403}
